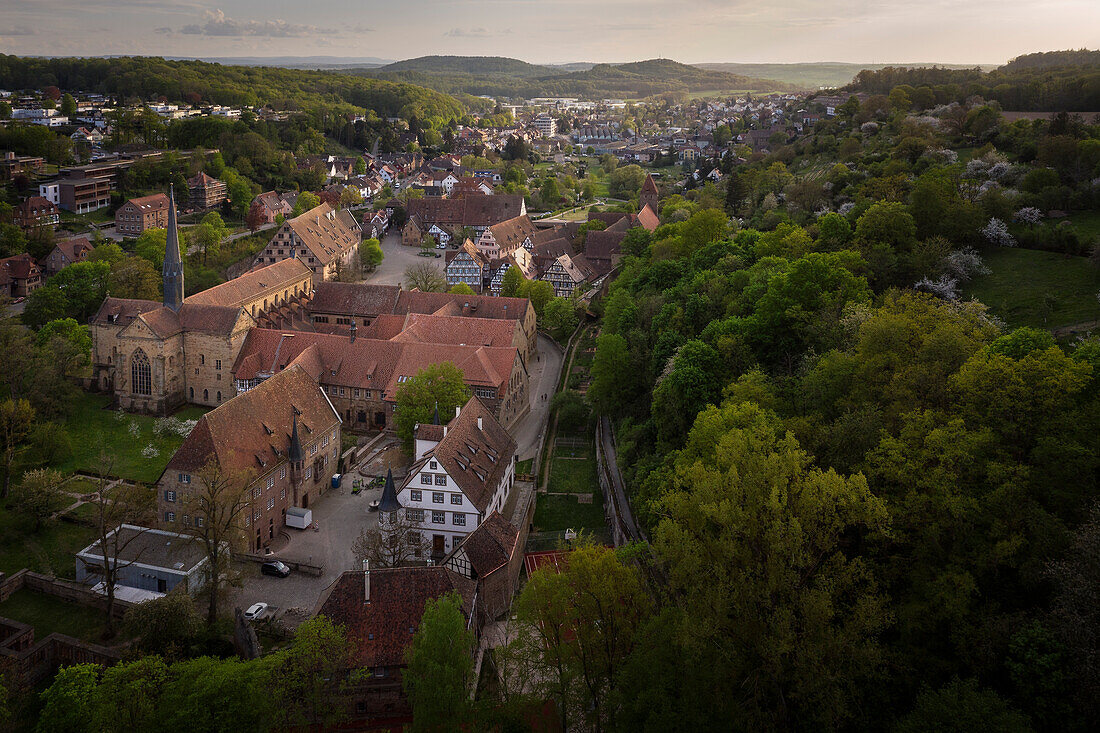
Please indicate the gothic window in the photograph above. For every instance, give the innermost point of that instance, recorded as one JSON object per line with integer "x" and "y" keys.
{"x": 141, "y": 374}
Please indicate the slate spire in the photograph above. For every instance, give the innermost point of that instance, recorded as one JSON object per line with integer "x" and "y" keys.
{"x": 295, "y": 453}
{"x": 389, "y": 502}
{"x": 173, "y": 260}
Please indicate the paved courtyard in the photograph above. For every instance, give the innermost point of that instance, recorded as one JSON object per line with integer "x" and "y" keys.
{"x": 397, "y": 258}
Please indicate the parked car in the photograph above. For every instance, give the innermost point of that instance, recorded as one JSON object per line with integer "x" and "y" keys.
{"x": 255, "y": 611}
{"x": 276, "y": 568}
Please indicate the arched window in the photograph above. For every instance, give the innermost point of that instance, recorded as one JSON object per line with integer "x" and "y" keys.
{"x": 219, "y": 396}
{"x": 206, "y": 395}
{"x": 141, "y": 374}
{"x": 192, "y": 394}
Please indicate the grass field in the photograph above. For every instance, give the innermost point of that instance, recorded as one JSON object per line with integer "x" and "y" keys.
{"x": 564, "y": 512}
{"x": 1087, "y": 224}
{"x": 524, "y": 468}
{"x": 1041, "y": 289}
{"x": 93, "y": 428}
{"x": 49, "y": 551}
{"x": 48, "y": 614}
{"x": 573, "y": 476}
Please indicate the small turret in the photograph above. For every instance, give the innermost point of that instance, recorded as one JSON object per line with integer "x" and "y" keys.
{"x": 173, "y": 260}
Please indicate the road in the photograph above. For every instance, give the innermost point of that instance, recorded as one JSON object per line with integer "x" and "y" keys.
{"x": 544, "y": 373}
{"x": 621, "y": 505}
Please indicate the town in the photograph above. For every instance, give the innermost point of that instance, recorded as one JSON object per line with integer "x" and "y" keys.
{"x": 351, "y": 399}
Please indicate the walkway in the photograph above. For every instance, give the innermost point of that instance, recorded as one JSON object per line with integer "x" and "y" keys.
{"x": 619, "y": 505}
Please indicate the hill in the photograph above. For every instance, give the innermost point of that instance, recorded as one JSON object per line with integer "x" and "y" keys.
{"x": 474, "y": 65}
{"x": 510, "y": 78}
{"x": 812, "y": 75}
{"x": 150, "y": 77}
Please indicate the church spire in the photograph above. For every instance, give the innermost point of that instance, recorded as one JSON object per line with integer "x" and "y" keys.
{"x": 173, "y": 261}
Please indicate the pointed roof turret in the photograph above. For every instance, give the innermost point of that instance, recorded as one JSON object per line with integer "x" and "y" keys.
{"x": 435, "y": 417}
{"x": 173, "y": 260}
{"x": 649, "y": 186}
{"x": 389, "y": 502}
{"x": 295, "y": 453}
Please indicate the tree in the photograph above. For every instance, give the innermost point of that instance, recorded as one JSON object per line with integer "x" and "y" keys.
{"x": 106, "y": 252}
{"x": 539, "y": 292}
{"x": 16, "y": 423}
{"x": 615, "y": 378}
{"x": 625, "y": 182}
{"x": 128, "y": 693}
{"x": 164, "y": 626}
{"x": 402, "y": 543}
{"x": 559, "y": 317}
{"x": 787, "y": 601}
{"x": 45, "y": 304}
{"x": 572, "y": 411}
{"x": 426, "y": 277}
{"x": 150, "y": 245}
{"x": 512, "y": 283}
{"x": 349, "y": 197}
{"x": 208, "y": 235}
{"x": 307, "y": 200}
{"x": 12, "y": 240}
{"x": 239, "y": 190}
{"x": 370, "y": 253}
{"x": 39, "y": 495}
{"x": 439, "y": 386}
{"x": 256, "y": 217}
{"x": 71, "y": 332}
{"x": 68, "y": 703}
{"x": 68, "y": 105}
{"x": 217, "y": 503}
{"x": 315, "y": 674}
{"x": 962, "y": 705}
{"x": 461, "y": 289}
{"x": 134, "y": 277}
{"x": 440, "y": 667}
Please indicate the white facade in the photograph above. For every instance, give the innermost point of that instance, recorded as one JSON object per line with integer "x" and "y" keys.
{"x": 51, "y": 192}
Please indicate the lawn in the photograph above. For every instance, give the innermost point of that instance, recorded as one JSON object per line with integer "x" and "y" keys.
{"x": 572, "y": 476}
{"x": 1087, "y": 224}
{"x": 555, "y": 513}
{"x": 524, "y": 468}
{"x": 1042, "y": 289}
{"x": 48, "y": 614}
{"x": 48, "y": 551}
{"x": 93, "y": 428}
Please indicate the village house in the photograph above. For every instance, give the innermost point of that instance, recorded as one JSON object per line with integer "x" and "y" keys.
{"x": 380, "y": 609}
{"x": 462, "y": 472}
{"x": 272, "y": 206}
{"x": 492, "y": 557}
{"x": 466, "y": 266}
{"x": 567, "y": 273}
{"x": 475, "y": 212}
{"x": 280, "y": 441}
{"x": 521, "y": 259}
{"x": 501, "y": 239}
{"x": 35, "y": 212}
{"x": 206, "y": 192}
{"x": 139, "y": 214}
{"x": 19, "y": 276}
{"x": 66, "y": 253}
{"x": 325, "y": 240}
{"x": 12, "y": 165}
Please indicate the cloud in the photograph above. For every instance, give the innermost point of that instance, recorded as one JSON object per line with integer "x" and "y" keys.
{"x": 19, "y": 30}
{"x": 470, "y": 33}
{"x": 218, "y": 24}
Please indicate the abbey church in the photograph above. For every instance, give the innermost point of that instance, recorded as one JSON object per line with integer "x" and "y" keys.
{"x": 154, "y": 357}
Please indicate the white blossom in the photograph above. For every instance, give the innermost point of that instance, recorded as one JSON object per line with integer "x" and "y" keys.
{"x": 1028, "y": 215}
{"x": 846, "y": 208}
{"x": 996, "y": 232}
{"x": 822, "y": 212}
{"x": 868, "y": 127}
{"x": 964, "y": 264}
{"x": 999, "y": 170}
{"x": 945, "y": 287}
{"x": 150, "y": 451}
{"x": 134, "y": 429}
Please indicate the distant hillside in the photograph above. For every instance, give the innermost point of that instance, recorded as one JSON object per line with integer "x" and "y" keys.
{"x": 510, "y": 78}
{"x": 474, "y": 65}
{"x": 1054, "y": 59}
{"x": 814, "y": 75}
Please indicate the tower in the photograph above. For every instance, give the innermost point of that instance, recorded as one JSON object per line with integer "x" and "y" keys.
{"x": 173, "y": 261}
{"x": 649, "y": 196}
{"x": 388, "y": 507}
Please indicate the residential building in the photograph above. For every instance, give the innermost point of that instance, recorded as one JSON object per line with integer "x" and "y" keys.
{"x": 476, "y": 212}
{"x": 206, "y": 192}
{"x": 35, "y": 212}
{"x": 380, "y": 610}
{"x": 139, "y": 214}
{"x": 84, "y": 194}
{"x": 50, "y": 191}
{"x": 19, "y": 276}
{"x": 506, "y": 237}
{"x": 280, "y": 441}
{"x": 461, "y": 473}
{"x": 67, "y": 253}
{"x": 12, "y": 165}
{"x": 492, "y": 556}
{"x": 546, "y": 125}
{"x": 325, "y": 240}
{"x": 466, "y": 266}
{"x": 273, "y": 205}
{"x": 567, "y": 273}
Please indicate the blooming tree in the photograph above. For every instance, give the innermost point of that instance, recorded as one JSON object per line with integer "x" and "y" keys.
{"x": 996, "y": 232}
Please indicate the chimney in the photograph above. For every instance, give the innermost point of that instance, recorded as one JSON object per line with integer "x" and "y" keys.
{"x": 479, "y": 422}
{"x": 366, "y": 581}
{"x": 354, "y": 328}
{"x": 458, "y": 410}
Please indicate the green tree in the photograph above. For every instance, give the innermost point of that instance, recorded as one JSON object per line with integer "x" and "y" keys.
{"x": 314, "y": 675}
{"x": 461, "y": 289}
{"x": 150, "y": 245}
{"x": 437, "y": 386}
{"x": 16, "y": 424}
{"x": 12, "y": 240}
{"x": 128, "y": 695}
{"x": 539, "y": 292}
{"x": 370, "y": 253}
{"x": 307, "y": 200}
{"x": 68, "y": 105}
{"x": 440, "y": 667}
{"x": 615, "y": 378}
{"x": 512, "y": 283}
{"x": 786, "y": 601}
{"x": 559, "y": 317}
{"x": 625, "y": 182}
{"x": 350, "y": 196}
{"x": 68, "y": 703}
{"x": 106, "y": 252}
{"x": 166, "y": 626}
{"x": 39, "y": 495}
{"x": 962, "y": 705}
{"x": 134, "y": 277}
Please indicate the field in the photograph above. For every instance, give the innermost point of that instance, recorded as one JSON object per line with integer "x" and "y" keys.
{"x": 48, "y": 551}
{"x": 1087, "y": 224}
{"x": 93, "y": 428}
{"x": 554, "y": 512}
{"x": 1040, "y": 289}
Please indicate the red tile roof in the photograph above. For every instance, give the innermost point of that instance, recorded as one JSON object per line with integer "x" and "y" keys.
{"x": 382, "y": 629}
{"x": 239, "y": 291}
{"x": 358, "y": 299}
{"x": 491, "y": 545}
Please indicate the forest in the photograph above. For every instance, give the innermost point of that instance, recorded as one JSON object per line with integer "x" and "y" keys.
{"x": 1056, "y": 81}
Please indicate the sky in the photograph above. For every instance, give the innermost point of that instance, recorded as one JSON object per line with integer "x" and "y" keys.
{"x": 556, "y": 31}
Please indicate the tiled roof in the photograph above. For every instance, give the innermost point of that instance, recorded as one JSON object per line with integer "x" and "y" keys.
{"x": 357, "y": 299}
{"x": 252, "y": 430}
{"x": 647, "y": 218}
{"x": 156, "y": 202}
{"x": 239, "y": 291}
{"x": 456, "y": 304}
{"x": 475, "y": 458}
{"x": 382, "y": 629}
{"x": 471, "y": 210}
{"x": 19, "y": 267}
{"x": 432, "y": 329}
{"x": 510, "y": 234}
{"x": 649, "y": 186}
{"x": 491, "y": 545}
{"x": 122, "y": 311}
{"x": 75, "y": 249}
{"x": 201, "y": 179}
{"x": 326, "y": 235}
